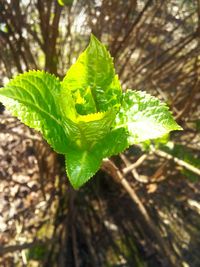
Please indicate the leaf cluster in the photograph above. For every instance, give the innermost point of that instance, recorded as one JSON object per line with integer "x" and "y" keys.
{"x": 86, "y": 116}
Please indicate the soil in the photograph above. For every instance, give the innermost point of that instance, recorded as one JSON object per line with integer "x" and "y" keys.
{"x": 44, "y": 222}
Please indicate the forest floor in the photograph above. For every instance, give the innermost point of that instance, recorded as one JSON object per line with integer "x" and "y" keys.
{"x": 43, "y": 222}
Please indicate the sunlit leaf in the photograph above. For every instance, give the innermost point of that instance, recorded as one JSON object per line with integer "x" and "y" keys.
{"x": 144, "y": 117}
{"x": 86, "y": 117}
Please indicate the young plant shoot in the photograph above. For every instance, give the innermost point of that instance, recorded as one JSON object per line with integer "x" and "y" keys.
{"x": 86, "y": 116}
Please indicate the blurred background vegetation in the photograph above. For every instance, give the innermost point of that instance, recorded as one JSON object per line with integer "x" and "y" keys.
{"x": 43, "y": 222}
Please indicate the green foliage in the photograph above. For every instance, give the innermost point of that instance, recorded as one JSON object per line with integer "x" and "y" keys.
{"x": 144, "y": 116}
{"x": 86, "y": 117}
{"x": 92, "y": 81}
{"x": 65, "y": 2}
{"x": 37, "y": 252}
{"x": 32, "y": 97}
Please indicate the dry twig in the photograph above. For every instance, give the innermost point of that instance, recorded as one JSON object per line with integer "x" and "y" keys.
{"x": 180, "y": 162}
{"x": 112, "y": 169}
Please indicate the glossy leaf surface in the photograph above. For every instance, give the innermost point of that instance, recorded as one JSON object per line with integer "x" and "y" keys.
{"x": 32, "y": 97}
{"x": 92, "y": 80}
{"x": 86, "y": 117}
{"x": 144, "y": 117}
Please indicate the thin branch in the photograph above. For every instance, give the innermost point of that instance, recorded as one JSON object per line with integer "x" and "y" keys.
{"x": 134, "y": 165}
{"x": 126, "y": 37}
{"x": 112, "y": 169}
{"x": 180, "y": 162}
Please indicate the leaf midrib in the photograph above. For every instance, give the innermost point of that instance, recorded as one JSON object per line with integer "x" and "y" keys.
{"x": 28, "y": 104}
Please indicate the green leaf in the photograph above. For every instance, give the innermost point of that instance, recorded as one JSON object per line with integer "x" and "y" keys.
{"x": 84, "y": 156}
{"x": 93, "y": 130}
{"x": 144, "y": 117}
{"x": 89, "y": 129}
{"x": 81, "y": 165}
{"x": 86, "y": 117}
{"x": 32, "y": 97}
{"x": 88, "y": 82}
{"x": 115, "y": 142}
{"x": 65, "y": 2}
{"x": 92, "y": 81}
